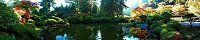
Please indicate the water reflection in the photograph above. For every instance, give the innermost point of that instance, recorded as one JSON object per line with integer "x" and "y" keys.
{"x": 188, "y": 24}
{"x": 98, "y": 32}
{"x": 130, "y": 38}
{"x": 128, "y": 34}
{"x": 98, "y": 35}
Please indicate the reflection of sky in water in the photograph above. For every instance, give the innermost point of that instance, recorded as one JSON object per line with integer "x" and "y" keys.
{"x": 130, "y": 38}
{"x": 98, "y": 35}
{"x": 188, "y": 24}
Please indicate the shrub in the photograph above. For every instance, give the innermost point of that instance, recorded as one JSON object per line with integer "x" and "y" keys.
{"x": 6, "y": 36}
{"x": 154, "y": 25}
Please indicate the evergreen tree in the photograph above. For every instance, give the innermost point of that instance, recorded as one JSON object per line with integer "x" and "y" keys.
{"x": 94, "y": 9}
{"x": 46, "y": 4}
{"x": 112, "y": 7}
{"x": 85, "y": 6}
{"x": 1, "y": 1}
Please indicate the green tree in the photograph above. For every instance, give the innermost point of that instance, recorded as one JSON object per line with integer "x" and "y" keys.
{"x": 85, "y": 6}
{"x": 1, "y": 1}
{"x": 94, "y": 9}
{"x": 46, "y": 4}
{"x": 112, "y": 7}
{"x": 190, "y": 17}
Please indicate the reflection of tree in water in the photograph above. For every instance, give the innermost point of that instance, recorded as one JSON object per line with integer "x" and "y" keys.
{"x": 89, "y": 32}
{"x": 81, "y": 32}
{"x": 111, "y": 32}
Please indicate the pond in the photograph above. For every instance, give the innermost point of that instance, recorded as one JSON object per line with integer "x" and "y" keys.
{"x": 102, "y": 31}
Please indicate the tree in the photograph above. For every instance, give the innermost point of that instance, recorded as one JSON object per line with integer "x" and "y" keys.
{"x": 85, "y": 6}
{"x": 9, "y": 26}
{"x": 46, "y": 6}
{"x": 112, "y": 7}
{"x": 65, "y": 10}
{"x": 1, "y": 1}
{"x": 7, "y": 16}
{"x": 94, "y": 9}
{"x": 190, "y": 17}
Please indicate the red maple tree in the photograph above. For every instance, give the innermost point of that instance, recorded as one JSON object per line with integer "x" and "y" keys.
{"x": 139, "y": 9}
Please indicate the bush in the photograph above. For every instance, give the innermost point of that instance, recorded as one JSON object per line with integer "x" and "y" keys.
{"x": 6, "y": 36}
{"x": 93, "y": 19}
{"x": 26, "y": 31}
{"x": 174, "y": 24}
{"x": 162, "y": 27}
{"x": 154, "y": 25}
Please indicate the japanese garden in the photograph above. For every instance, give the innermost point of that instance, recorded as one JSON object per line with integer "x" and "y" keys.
{"x": 99, "y": 19}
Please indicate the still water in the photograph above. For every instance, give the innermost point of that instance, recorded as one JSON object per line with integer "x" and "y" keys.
{"x": 103, "y": 31}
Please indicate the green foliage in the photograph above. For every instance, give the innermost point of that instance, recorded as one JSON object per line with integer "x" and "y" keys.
{"x": 46, "y": 4}
{"x": 7, "y": 16}
{"x": 57, "y": 18}
{"x": 42, "y": 21}
{"x": 9, "y": 25}
{"x": 85, "y": 6}
{"x": 37, "y": 20}
{"x": 27, "y": 31}
{"x": 166, "y": 31}
{"x": 189, "y": 15}
{"x": 158, "y": 29}
{"x": 166, "y": 14}
{"x": 6, "y": 36}
{"x": 143, "y": 18}
{"x": 2, "y": 1}
{"x": 109, "y": 7}
{"x": 93, "y": 19}
{"x": 153, "y": 19}
{"x": 154, "y": 25}
{"x": 161, "y": 28}
{"x": 174, "y": 24}
{"x": 167, "y": 34}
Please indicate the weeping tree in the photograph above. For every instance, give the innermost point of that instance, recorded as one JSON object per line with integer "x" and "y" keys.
{"x": 112, "y": 7}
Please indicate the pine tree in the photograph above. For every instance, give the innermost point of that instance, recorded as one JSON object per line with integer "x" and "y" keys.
{"x": 46, "y": 4}
{"x": 112, "y": 7}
